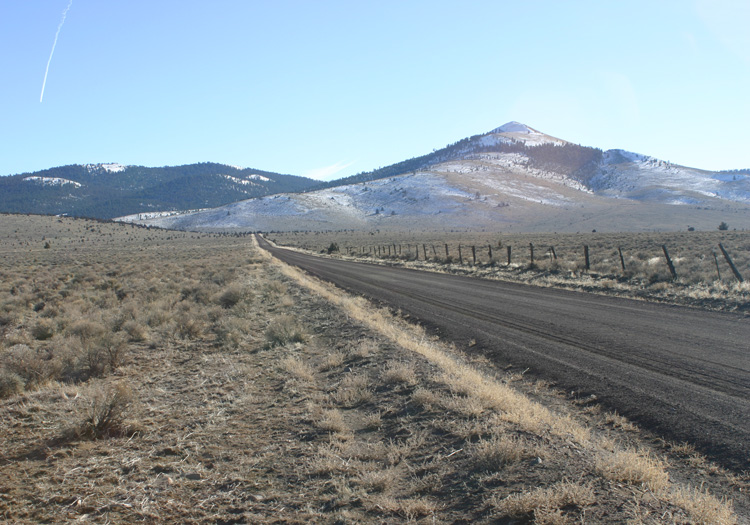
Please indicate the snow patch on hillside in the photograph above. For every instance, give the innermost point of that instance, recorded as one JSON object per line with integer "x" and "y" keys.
{"x": 237, "y": 180}
{"x": 52, "y": 181}
{"x": 144, "y": 216}
{"x": 624, "y": 174}
{"x": 110, "y": 167}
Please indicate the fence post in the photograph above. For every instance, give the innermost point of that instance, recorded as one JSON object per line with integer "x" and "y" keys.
{"x": 446, "y": 252}
{"x": 460, "y": 256}
{"x": 669, "y": 261}
{"x": 433, "y": 251}
{"x": 531, "y": 252}
{"x": 586, "y": 256}
{"x": 552, "y": 250}
{"x": 474, "y": 254}
{"x": 622, "y": 259}
{"x": 509, "y": 250}
{"x": 424, "y": 249}
{"x": 731, "y": 264}
{"x": 490, "y": 247}
{"x": 716, "y": 260}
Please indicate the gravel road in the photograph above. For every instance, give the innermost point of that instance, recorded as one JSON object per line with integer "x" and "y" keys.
{"x": 680, "y": 372}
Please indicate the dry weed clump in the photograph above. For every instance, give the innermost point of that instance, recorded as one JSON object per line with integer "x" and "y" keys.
{"x": 490, "y": 455}
{"x": 332, "y": 420}
{"x": 546, "y": 505}
{"x": 285, "y": 329}
{"x": 354, "y": 390}
{"x": 399, "y": 372}
{"x": 233, "y": 296}
{"x": 106, "y": 412}
{"x": 10, "y": 384}
{"x": 637, "y": 468}
{"x": 702, "y": 507}
{"x": 298, "y": 368}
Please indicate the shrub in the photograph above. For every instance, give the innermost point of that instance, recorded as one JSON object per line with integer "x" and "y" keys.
{"x": 231, "y": 296}
{"x": 10, "y": 384}
{"x": 135, "y": 331}
{"x": 86, "y": 330}
{"x": 105, "y": 414}
{"x": 103, "y": 355}
{"x": 43, "y": 330}
{"x": 32, "y": 366}
{"x": 283, "y": 330}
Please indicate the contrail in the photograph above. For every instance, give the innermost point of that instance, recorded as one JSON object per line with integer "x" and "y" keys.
{"x": 70, "y": 3}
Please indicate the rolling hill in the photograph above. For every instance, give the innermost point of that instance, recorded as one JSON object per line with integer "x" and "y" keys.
{"x": 106, "y": 191}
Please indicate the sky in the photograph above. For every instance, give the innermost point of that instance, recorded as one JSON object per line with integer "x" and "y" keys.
{"x": 330, "y": 88}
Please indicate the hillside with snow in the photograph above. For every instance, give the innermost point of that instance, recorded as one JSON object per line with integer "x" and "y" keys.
{"x": 110, "y": 190}
{"x": 512, "y": 178}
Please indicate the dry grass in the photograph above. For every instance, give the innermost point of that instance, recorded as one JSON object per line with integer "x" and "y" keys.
{"x": 546, "y": 504}
{"x": 634, "y": 467}
{"x": 366, "y": 421}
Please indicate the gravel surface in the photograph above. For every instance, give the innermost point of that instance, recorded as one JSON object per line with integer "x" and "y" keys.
{"x": 683, "y": 373}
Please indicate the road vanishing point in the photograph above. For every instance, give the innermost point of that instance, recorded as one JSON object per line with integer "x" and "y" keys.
{"x": 680, "y": 372}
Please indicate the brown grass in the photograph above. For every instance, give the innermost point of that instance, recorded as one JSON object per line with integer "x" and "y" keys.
{"x": 364, "y": 422}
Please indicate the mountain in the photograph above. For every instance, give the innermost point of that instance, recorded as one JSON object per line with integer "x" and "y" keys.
{"x": 112, "y": 190}
{"x": 512, "y": 178}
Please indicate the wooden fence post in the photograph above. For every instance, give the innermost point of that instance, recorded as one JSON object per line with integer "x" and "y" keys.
{"x": 474, "y": 254}
{"x": 716, "y": 260}
{"x": 490, "y": 248}
{"x": 669, "y": 261}
{"x": 460, "y": 256}
{"x": 731, "y": 264}
{"x": 586, "y": 256}
{"x": 509, "y": 250}
{"x": 424, "y": 249}
{"x": 622, "y": 259}
{"x": 552, "y": 251}
{"x": 531, "y": 252}
{"x": 446, "y": 253}
{"x": 434, "y": 253}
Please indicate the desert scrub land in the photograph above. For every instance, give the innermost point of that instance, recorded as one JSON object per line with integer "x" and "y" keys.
{"x": 245, "y": 392}
{"x": 704, "y": 278}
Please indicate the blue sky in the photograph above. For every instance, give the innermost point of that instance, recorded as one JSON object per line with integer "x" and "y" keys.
{"x": 332, "y": 88}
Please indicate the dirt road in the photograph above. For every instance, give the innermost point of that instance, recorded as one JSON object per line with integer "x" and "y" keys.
{"x": 681, "y": 372}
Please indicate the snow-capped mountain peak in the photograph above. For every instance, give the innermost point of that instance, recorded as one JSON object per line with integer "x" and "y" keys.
{"x": 514, "y": 127}
{"x": 522, "y": 133}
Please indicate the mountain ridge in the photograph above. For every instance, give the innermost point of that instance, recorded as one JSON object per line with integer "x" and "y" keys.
{"x": 496, "y": 180}
{"x": 109, "y": 190}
